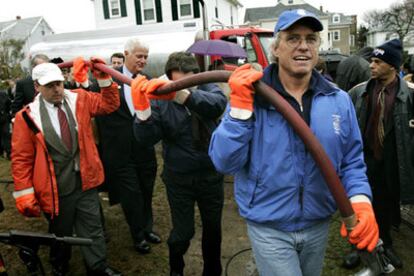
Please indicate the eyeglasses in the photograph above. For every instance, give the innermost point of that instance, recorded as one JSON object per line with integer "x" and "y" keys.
{"x": 312, "y": 41}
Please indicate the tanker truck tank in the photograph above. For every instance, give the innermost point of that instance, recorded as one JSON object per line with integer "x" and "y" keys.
{"x": 71, "y": 45}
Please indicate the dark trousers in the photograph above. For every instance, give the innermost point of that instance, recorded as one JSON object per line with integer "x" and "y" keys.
{"x": 135, "y": 186}
{"x": 384, "y": 180}
{"x": 79, "y": 211}
{"x": 183, "y": 192}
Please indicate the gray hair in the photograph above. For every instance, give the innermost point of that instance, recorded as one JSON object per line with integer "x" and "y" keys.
{"x": 275, "y": 43}
{"x": 34, "y": 60}
{"x": 133, "y": 43}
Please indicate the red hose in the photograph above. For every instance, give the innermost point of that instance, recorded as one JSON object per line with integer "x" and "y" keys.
{"x": 104, "y": 68}
{"x": 301, "y": 128}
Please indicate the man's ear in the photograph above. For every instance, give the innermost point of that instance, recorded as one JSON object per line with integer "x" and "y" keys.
{"x": 36, "y": 85}
{"x": 126, "y": 53}
{"x": 274, "y": 52}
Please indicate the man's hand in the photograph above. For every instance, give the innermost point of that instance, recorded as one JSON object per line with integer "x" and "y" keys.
{"x": 27, "y": 205}
{"x": 365, "y": 234}
{"x": 241, "y": 96}
{"x": 80, "y": 71}
{"x": 140, "y": 99}
{"x": 153, "y": 85}
{"x": 104, "y": 79}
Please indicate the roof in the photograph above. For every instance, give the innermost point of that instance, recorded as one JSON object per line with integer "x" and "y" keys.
{"x": 262, "y": 13}
{"x": 343, "y": 19}
{"x": 20, "y": 28}
{"x": 236, "y": 3}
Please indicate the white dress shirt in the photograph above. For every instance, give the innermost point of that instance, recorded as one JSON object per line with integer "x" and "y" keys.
{"x": 127, "y": 91}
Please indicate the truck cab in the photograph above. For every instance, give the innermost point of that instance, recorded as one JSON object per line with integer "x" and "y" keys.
{"x": 255, "y": 41}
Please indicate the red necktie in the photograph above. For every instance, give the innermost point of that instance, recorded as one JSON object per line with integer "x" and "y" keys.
{"x": 64, "y": 127}
{"x": 378, "y": 124}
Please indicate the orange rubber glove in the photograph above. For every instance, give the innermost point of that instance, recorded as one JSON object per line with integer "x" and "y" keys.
{"x": 241, "y": 96}
{"x": 80, "y": 71}
{"x": 153, "y": 85}
{"x": 99, "y": 75}
{"x": 140, "y": 100}
{"x": 365, "y": 234}
{"x": 27, "y": 205}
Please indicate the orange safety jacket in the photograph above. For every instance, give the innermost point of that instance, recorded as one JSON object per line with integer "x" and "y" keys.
{"x": 32, "y": 166}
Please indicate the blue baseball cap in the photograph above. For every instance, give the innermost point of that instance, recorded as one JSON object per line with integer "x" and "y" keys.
{"x": 290, "y": 17}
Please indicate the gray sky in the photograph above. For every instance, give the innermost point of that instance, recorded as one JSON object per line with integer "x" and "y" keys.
{"x": 78, "y": 15}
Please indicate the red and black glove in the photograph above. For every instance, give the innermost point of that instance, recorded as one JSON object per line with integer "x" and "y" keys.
{"x": 104, "y": 79}
{"x": 241, "y": 96}
{"x": 365, "y": 234}
{"x": 80, "y": 72}
{"x": 28, "y": 205}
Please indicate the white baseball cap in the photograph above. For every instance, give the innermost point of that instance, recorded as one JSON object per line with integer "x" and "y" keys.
{"x": 45, "y": 73}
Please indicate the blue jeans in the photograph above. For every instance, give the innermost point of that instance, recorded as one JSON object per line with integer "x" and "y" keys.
{"x": 288, "y": 253}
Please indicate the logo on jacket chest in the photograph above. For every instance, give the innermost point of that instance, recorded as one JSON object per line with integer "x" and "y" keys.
{"x": 336, "y": 123}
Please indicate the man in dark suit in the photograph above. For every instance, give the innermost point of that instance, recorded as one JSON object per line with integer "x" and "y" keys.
{"x": 130, "y": 168}
{"x": 25, "y": 90}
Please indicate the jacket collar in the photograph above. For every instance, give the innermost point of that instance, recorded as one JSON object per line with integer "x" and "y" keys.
{"x": 403, "y": 92}
{"x": 34, "y": 107}
{"x": 318, "y": 84}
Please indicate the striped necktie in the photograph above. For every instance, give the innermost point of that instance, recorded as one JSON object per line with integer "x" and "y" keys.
{"x": 64, "y": 127}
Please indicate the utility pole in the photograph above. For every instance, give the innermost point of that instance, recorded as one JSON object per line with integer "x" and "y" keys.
{"x": 205, "y": 31}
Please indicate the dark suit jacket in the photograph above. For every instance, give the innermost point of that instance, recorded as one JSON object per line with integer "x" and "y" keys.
{"x": 117, "y": 141}
{"x": 25, "y": 93}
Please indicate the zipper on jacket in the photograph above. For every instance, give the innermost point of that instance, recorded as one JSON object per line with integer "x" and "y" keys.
{"x": 301, "y": 196}
{"x": 51, "y": 184}
{"x": 253, "y": 195}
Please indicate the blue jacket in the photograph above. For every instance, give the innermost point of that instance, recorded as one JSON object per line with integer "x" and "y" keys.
{"x": 277, "y": 181}
{"x": 175, "y": 125}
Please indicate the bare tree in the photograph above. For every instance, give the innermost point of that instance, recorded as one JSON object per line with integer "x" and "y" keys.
{"x": 361, "y": 40}
{"x": 398, "y": 19}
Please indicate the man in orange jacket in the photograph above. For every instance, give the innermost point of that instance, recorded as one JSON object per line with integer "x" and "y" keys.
{"x": 55, "y": 163}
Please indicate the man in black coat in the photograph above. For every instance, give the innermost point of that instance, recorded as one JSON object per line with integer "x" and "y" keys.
{"x": 25, "y": 90}
{"x": 384, "y": 108}
{"x": 185, "y": 124}
{"x": 130, "y": 168}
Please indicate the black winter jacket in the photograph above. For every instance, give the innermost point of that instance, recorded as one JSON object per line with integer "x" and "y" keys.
{"x": 185, "y": 130}
{"x": 403, "y": 113}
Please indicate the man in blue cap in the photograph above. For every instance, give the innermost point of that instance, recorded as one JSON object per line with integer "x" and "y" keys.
{"x": 280, "y": 190}
{"x": 384, "y": 106}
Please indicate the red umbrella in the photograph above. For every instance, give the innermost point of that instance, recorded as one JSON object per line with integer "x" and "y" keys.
{"x": 217, "y": 48}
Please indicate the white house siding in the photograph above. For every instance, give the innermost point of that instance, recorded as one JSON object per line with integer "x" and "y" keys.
{"x": 224, "y": 11}
{"x": 102, "y": 23}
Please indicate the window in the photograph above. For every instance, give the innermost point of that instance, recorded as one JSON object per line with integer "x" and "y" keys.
{"x": 290, "y": 2}
{"x": 115, "y": 8}
{"x": 148, "y": 10}
{"x": 186, "y": 8}
{"x": 251, "y": 52}
{"x": 336, "y": 18}
{"x": 336, "y": 36}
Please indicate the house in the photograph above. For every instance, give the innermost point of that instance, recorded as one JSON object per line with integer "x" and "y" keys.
{"x": 177, "y": 15}
{"x": 31, "y": 30}
{"x": 342, "y": 30}
{"x": 339, "y": 30}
